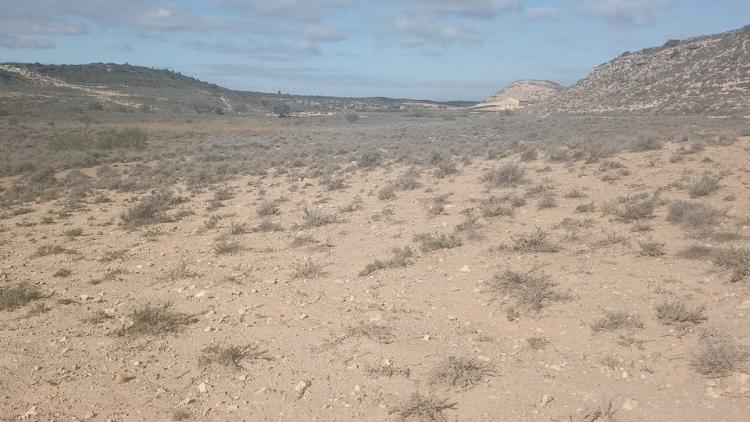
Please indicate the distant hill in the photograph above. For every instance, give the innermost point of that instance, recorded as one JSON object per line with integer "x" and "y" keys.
{"x": 33, "y": 88}
{"x": 708, "y": 74}
{"x": 519, "y": 94}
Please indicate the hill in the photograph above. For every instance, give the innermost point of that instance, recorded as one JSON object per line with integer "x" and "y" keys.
{"x": 708, "y": 74}
{"x": 31, "y": 89}
{"x": 520, "y": 94}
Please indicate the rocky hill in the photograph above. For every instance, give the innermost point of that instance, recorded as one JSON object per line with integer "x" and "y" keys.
{"x": 519, "y": 94}
{"x": 708, "y": 74}
{"x": 34, "y": 89}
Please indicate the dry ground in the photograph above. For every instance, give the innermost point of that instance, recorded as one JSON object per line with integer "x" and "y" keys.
{"x": 551, "y": 302}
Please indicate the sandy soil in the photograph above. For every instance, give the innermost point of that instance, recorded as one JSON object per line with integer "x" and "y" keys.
{"x": 72, "y": 360}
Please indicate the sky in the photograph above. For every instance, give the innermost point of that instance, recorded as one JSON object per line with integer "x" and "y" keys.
{"x": 424, "y": 49}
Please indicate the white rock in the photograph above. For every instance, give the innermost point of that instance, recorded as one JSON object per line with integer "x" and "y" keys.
{"x": 630, "y": 404}
{"x": 202, "y": 387}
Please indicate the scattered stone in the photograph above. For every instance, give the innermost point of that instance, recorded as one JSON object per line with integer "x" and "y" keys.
{"x": 124, "y": 378}
{"x": 630, "y": 404}
{"x": 301, "y": 388}
{"x": 546, "y": 399}
{"x": 465, "y": 269}
{"x": 202, "y": 387}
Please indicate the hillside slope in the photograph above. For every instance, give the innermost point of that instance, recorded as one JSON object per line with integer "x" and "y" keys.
{"x": 520, "y": 94}
{"x": 709, "y": 74}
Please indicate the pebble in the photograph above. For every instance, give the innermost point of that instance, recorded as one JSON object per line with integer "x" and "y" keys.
{"x": 202, "y": 387}
{"x": 546, "y": 399}
{"x": 124, "y": 378}
{"x": 465, "y": 269}
{"x": 301, "y": 388}
{"x": 630, "y": 404}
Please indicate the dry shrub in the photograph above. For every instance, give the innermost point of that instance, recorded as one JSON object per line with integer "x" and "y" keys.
{"x": 616, "y": 320}
{"x": 529, "y": 289}
{"x": 534, "y": 241}
{"x": 510, "y": 174}
{"x": 424, "y": 408}
{"x": 17, "y": 295}
{"x": 461, "y": 372}
{"x": 429, "y": 242}
{"x": 718, "y": 355}
{"x": 156, "y": 319}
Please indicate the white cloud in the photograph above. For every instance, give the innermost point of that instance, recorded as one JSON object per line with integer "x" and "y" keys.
{"x": 304, "y": 10}
{"x": 482, "y": 9}
{"x": 626, "y": 12}
{"x": 324, "y": 33}
{"x": 542, "y": 13}
{"x": 419, "y": 32}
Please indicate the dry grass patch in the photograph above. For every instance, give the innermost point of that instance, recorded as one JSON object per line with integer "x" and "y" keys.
{"x": 17, "y": 295}
{"x": 226, "y": 246}
{"x": 698, "y": 219}
{"x": 461, "y": 372}
{"x": 495, "y": 206}
{"x": 718, "y": 355}
{"x": 534, "y": 241}
{"x": 537, "y": 342}
{"x": 616, "y": 320}
{"x": 312, "y": 217}
{"x": 375, "y": 332}
{"x": 429, "y": 242}
{"x": 735, "y": 259}
{"x": 401, "y": 258}
{"x": 652, "y": 248}
{"x": 677, "y": 312}
{"x": 267, "y": 225}
{"x": 704, "y": 186}
{"x": 150, "y": 210}
{"x": 510, "y": 174}
{"x": 229, "y": 356}
{"x": 156, "y": 319}
{"x": 632, "y": 207}
{"x": 267, "y": 208}
{"x": 307, "y": 270}
{"x": 530, "y": 290}
{"x": 423, "y": 408}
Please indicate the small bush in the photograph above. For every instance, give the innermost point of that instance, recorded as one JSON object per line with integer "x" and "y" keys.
{"x": 307, "y": 270}
{"x": 267, "y": 208}
{"x": 407, "y": 181}
{"x": 423, "y": 408}
{"x": 509, "y": 174}
{"x": 494, "y": 207}
{"x": 376, "y": 332}
{"x": 651, "y": 248}
{"x": 677, "y": 312}
{"x": 696, "y": 218}
{"x": 537, "y": 342}
{"x": 531, "y": 290}
{"x": 616, "y": 320}
{"x": 401, "y": 258}
{"x": 633, "y": 207}
{"x": 461, "y": 372}
{"x": 156, "y": 319}
{"x": 704, "y": 186}
{"x": 229, "y": 356}
{"x": 226, "y": 246}
{"x": 429, "y": 242}
{"x": 735, "y": 259}
{"x": 150, "y": 210}
{"x": 547, "y": 200}
{"x": 718, "y": 355}
{"x": 387, "y": 193}
{"x": 332, "y": 183}
{"x": 534, "y": 241}
{"x": 586, "y": 208}
{"x": 267, "y": 225}
{"x": 17, "y": 295}
{"x": 313, "y": 217}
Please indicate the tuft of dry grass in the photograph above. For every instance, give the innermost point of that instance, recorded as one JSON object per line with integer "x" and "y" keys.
{"x": 375, "y": 332}
{"x": 616, "y": 320}
{"x": 632, "y": 207}
{"x": 495, "y": 206}
{"x": 267, "y": 208}
{"x": 387, "y": 193}
{"x": 423, "y": 408}
{"x": 704, "y": 186}
{"x": 529, "y": 289}
{"x": 313, "y": 217}
{"x": 461, "y": 372}
{"x": 537, "y": 342}
{"x": 226, "y": 246}
{"x": 735, "y": 259}
{"x": 546, "y": 200}
{"x": 718, "y": 355}
{"x": 156, "y": 319}
{"x": 401, "y": 258}
{"x": 534, "y": 241}
{"x": 652, "y": 248}
{"x": 677, "y": 312}
{"x": 267, "y": 225}
{"x": 307, "y": 270}
{"x": 17, "y": 295}
{"x": 229, "y": 356}
{"x": 150, "y": 210}
{"x": 429, "y": 242}
{"x": 510, "y": 174}
{"x": 698, "y": 219}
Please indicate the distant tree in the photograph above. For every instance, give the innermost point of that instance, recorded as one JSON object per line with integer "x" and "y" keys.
{"x": 281, "y": 110}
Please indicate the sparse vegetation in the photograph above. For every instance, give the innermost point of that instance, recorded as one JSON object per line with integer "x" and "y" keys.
{"x": 229, "y": 356}
{"x": 308, "y": 269}
{"x": 510, "y": 174}
{"x": 534, "y": 241}
{"x": 156, "y": 319}
{"x": 704, "y": 186}
{"x": 424, "y": 408}
{"x": 717, "y": 355}
{"x": 530, "y": 290}
{"x": 429, "y": 242}
{"x": 17, "y": 295}
{"x": 313, "y": 217}
{"x": 616, "y": 320}
{"x": 632, "y": 207}
{"x": 150, "y": 210}
{"x": 401, "y": 258}
{"x": 652, "y": 248}
{"x": 677, "y": 312}
{"x": 461, "y": 372}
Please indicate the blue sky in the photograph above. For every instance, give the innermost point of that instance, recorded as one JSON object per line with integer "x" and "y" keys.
{"x": 431, "y": 49}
